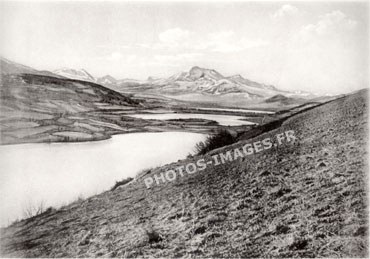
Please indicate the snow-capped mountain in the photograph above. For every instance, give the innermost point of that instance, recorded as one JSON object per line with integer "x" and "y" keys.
{"x": 211, "y": 82}
{"x": 80, "y": 74}
{"x": 107, "y": 80}
{"x": 196, "y": 80}
{"x": 242, "y": 80}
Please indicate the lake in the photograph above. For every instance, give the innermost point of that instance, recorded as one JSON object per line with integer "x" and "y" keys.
{"x": 225, "y": 120}
{"x": 58, "y": 173}
{"x": 236, "y": 110}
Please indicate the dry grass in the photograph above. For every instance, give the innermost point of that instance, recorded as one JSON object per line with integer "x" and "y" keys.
{"x": 306, "y": 199}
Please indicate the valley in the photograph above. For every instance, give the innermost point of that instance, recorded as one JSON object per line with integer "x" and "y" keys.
{"x": 70, "y": 107}
{"x": 302, "y": 200}
{"x": 45, "y": 107}
{"x": 184, "y": 129}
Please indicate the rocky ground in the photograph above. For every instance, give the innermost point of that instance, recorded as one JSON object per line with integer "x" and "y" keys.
{"x": 306, "y": 199}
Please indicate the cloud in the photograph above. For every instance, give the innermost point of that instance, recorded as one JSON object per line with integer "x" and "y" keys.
{"x": 221, "y": 36}
{"x": 176, "y": 58}
{"x": 180, "y": 40}
{"x": 228, "y": 47}
{"x": 286, "y": 10}
{"x": 253, "y": 43}
{"x": 174, "y": 36}
{"x": 227, "y": 42}
{"x": 327, "y": 23}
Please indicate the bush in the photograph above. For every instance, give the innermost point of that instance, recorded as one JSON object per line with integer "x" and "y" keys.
{"x": 143, "y": 172}
{"x": 33, "y": 210}
{"x": 222, "y": 138}
{"x": 123, "y": 182}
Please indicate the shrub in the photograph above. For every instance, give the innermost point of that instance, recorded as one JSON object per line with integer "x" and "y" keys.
{"x": 123, "y": 182}
{"x": 33, "y": 210}
{"x": 143, "y": 172}
{"x": 153, "y": 236}
{"x": 222, "y": 138}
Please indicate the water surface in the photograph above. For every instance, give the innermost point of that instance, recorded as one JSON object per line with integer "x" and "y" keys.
{"x": 236, "y": 110}
{"x": 59, "y": 173}
{"x": 225, "y": 120}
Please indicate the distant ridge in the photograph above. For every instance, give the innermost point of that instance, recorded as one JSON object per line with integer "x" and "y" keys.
{"x": 10, "y": 67}
{"x": 210, "y": 82}
{"x": 197, "y": 80}
{"x": 80, "y": 74}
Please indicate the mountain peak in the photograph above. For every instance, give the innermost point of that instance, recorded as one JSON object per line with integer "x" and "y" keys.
{"x": 109, "y": 77}
{"x": 107, "y": 80}
{"x": 236, "y": 76}
{"x": 198, "y": 72}
{"x": 79, "y": 74}
{"x": 195, "y": 68}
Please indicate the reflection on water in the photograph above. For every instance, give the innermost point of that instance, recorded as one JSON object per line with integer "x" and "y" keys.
{"x": 225, "y": 120}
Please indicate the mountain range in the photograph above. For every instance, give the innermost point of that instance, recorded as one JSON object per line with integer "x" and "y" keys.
{"x": 202, "y": 81}
{"x": 196, "y": 80}
{"x": 211, "y": 82}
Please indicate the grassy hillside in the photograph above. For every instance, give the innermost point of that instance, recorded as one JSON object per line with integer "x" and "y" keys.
{"x": 306, "y": 199}
{"x": 39, "y": 108}
{"x": 10, "y": 67}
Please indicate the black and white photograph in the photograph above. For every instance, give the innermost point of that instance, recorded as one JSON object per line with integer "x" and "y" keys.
{"x": 184, "y": 129}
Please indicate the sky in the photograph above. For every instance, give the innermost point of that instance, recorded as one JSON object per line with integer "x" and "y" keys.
{"x": 320, "y": 47}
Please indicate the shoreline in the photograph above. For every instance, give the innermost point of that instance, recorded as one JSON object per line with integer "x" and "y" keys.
{"x": 252, "y": 193}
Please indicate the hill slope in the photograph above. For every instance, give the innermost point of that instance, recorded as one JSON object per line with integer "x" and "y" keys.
{"x": 40, "y": 108}
{"x": 281, "y": 99}
{"x": 10, "y": 67}
{"x": 305, "y": 199}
